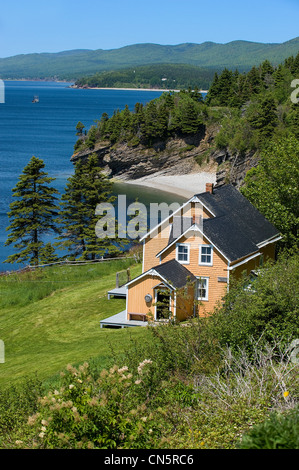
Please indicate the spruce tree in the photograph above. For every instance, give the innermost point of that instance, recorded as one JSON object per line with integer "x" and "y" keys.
{"x": 32, "y": 214}
{"x": 87, "y": 188}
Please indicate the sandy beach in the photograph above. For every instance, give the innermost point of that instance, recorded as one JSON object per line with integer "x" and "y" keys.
{"x": 183, "y": 185}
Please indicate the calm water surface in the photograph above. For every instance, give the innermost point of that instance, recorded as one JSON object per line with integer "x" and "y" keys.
{"x": 47, "y": 130}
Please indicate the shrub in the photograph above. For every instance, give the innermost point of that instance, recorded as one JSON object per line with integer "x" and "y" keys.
{"x": 111, "y": 411}
{"x": 279, "y": 431}
{"x": 265, "y": 310}
{"x": 16, "y": 403}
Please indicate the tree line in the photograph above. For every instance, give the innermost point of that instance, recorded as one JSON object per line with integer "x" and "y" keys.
{"x": 37, "y": 213}
{"x": 167, "y": 76}
{"x": 169, "y": 115}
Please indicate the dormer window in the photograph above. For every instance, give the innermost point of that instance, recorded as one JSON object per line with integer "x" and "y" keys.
{"x": 183, "y": 253}
{"x": 206, "y": 255}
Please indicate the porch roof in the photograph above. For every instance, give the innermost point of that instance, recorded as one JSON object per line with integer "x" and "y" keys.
{"x": 120, "y": 321}
{"x": 175, "y": 273}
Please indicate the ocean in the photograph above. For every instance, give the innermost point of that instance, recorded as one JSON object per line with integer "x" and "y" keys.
{"x": 47, "y": 130}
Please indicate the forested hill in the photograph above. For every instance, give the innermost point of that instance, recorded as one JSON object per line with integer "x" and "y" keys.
{"x": 246, "y": 108}
{"x": 73, "y": 64}
{"x": 241, "y": 114}
{"x": 162, "y": 76}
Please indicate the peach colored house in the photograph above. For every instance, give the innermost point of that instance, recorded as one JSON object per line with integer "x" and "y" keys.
{"x": 190, "y": 257}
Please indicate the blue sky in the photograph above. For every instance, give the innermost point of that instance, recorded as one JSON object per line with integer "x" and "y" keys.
{"x": 28, "y": 26}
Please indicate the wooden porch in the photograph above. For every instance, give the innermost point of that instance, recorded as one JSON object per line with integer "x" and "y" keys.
{"x": 120, "y": 321}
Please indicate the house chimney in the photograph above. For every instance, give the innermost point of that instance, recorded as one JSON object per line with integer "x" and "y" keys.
{"x": 209, "y": 188}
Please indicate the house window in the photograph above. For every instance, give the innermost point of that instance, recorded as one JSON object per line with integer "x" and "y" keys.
{"x": 206, "y": 255}
{"x": 203, "y": 288}
{"x": 182, "y": 253}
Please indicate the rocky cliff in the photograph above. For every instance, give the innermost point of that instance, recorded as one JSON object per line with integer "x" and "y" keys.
{"x": 178, "y": 156}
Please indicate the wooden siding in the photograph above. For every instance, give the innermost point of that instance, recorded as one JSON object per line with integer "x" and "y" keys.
{"x": 136, "y": 296}
{"x": 219, "y": 269}
{"x": 153, "y": 246}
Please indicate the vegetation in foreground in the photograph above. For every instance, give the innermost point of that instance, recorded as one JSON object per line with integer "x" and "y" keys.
{"x": 200, "y": 384}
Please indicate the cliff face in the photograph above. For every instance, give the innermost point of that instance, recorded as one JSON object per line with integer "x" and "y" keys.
{"x": 193, "y": 154}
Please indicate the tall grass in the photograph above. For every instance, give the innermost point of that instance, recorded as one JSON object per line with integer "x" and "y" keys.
{"x": 20, "y": 289}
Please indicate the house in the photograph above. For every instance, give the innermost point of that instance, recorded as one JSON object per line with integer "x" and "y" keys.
{"x": 190, "y": 257}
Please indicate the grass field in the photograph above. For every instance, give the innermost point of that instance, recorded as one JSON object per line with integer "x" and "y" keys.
{"x": 51, "y": 317}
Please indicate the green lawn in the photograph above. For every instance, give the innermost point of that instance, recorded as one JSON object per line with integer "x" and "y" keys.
{"x": 52, "y": 318}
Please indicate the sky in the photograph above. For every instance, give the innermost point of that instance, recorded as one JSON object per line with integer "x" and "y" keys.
{"x": 28, "y": 26}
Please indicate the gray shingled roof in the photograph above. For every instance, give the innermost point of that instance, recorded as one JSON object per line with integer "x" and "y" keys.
{"x": 226, "y": 236}
{"x": 240, "y": 214}
{"x": 236, "y": 228}
{"x": 175, "y": 273}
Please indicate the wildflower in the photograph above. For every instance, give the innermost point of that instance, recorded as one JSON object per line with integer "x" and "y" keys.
{"x": 56, "y": 392}
{"x": 123, "y": 369}
{"x": 286, "y": 394}
{"x": 138, "y": 381}
{"x": 94, "y": 401}
{"x": 43, "y": 428}
{"x": 32, "y": 419}
{"x": 113, "y": 369}
{"x": 19, "y": 443}
{"x": 103, "y": 373}
{"x": 71, "y": 386}
{"x": 41, "y": 434}
{"x": 45, "y": 422}
{"x": 142, "y": 364}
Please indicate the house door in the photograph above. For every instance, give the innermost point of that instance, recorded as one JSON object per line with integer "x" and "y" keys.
{"x": 162, "y": 304}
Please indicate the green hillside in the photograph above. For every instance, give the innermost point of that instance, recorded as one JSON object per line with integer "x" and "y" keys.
{"x": 73, "y": 64}
{"x": 51, "y": 317}
{"x": 165, "y": 76}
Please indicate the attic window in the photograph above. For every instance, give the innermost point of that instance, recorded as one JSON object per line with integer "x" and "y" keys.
{"x": 206, "y": 255}
{"x": 183, "y": 253}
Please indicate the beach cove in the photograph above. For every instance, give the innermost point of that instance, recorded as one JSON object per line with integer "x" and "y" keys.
{"x": 47, "y": 130}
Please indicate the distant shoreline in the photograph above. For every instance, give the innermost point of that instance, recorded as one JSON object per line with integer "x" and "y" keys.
{"x": 129, "y": 89}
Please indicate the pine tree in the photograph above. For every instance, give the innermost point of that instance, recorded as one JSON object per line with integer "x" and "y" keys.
{"x": 47, "y": 254}
{"x": 87, "y": 188}
{"x": 33, "y": 214}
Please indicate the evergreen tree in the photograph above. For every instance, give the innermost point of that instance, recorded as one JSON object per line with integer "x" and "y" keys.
{"x": 79, "y": 128}
{"x": 47, "y": 254}
{"x": 87, "y": 188}
{"x": 264, "y": 118}
{"x": 272, "y": 187}
{"x": 33, "y": 214}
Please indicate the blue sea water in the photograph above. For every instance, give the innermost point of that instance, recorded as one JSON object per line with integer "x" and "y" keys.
{"x": 47, "y": 130}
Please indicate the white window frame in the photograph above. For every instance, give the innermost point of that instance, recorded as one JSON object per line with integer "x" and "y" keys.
{"x": 185, "y": 245}
{"x": 206, "y": 298}
{"x": 200, "y": 262}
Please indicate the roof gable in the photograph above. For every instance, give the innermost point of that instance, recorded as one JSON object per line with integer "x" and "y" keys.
{"x": 240, "y": 213}
{"x": 171, "y": 273}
